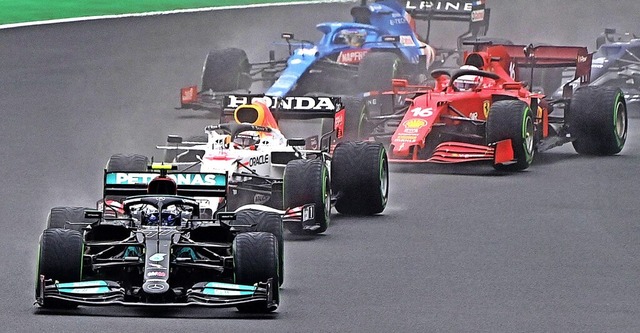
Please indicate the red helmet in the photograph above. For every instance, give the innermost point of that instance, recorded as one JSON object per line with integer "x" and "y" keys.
{"x": 162, "y": 185}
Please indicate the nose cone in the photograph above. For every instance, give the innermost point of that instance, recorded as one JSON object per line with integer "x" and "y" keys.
{"x": 155, "y": 287}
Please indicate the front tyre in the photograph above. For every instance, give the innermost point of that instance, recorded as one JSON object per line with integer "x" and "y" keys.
{"x": 307, "y": 181}
{"x": 360, "y": 177}
{"x": 60, "y": 259}
{"x": 512, "y": 119}
{"x": 270, "y": 222}
{"x": 598, "y": 120}
{"x": 226, "y": 70}
{"x": 255, "y": 259}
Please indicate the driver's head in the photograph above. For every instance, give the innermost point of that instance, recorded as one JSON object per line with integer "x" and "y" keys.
{"x": 467, "y": 82}
{"x": 168, "y": 218}
{"x": 352, "y": 37}
{"x": 246, "y": 140}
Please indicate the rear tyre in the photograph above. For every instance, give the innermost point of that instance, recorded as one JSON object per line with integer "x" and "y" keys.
{"x": 512, "y": 119}
{"x": 376, "y": 72}
{"x": 268, "y": 222}
{"x": 360, "y": 177}
{"x": 60, "y": 259}
{"x": 307, "y": 181}
{"x": 226, "y": 70}
{"x": 68, "y": 218}
{"x": 598, "y": 120}
{"x": 127, "y": 163}
{"x": 255, "y": 259}
{"x": 354, "y": 118}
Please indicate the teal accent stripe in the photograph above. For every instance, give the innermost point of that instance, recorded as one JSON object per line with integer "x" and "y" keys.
{"x": 219, "y": 285}
{"x": 85, "y": 287}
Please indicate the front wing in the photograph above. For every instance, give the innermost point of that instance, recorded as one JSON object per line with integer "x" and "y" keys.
{"x": 102, "y": 292}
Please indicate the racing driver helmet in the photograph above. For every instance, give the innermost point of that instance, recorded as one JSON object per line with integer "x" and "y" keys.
{"x": 169, "y": 217}
{"x": 351, "y": 37}
{"x": 467, "y": 82}
{"x": 246, "y": 140}
{"x": 162, "y": 185}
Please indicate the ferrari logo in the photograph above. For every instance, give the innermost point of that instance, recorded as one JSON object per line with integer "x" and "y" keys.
{"x": 485, "y": 108}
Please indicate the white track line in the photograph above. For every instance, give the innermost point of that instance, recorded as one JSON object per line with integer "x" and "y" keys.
{"x": 177, "y": 11}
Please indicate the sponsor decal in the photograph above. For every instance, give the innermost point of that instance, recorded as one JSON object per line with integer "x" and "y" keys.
{"x": 188, "y": 94}
{"x": 396, "y": 21}
{"x": 351, "y": 56}
{"x": 486, "y": 106}
{"x": 415, "y": 123}
{"x": 286, "y": 103}
{"x": 261, "y": 199}
{"x": 339, "y": 124}
{"x": 512, "y": 70}
{"x": 125, "y": 178}
{"x": 477, "y": 15}
{"x": 406, "y": 138}
{"x": 439, "y": 5}
{"x": 259, "y": 160}
{"x": 295, "y": 61}
{"x": 422, "y": 112}
{"x": 156, "y": 274}
{"x": 308, "y": 213}
{"x": 152, "y": 265}
{"x": 157, "y": 257}
{"x": 582, "y": 59}
{"x": 156, "y": 286}
{"x": 407, "y": 40}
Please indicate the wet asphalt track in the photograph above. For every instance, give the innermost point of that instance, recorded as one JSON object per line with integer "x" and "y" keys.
{"x": 552, "y": 249}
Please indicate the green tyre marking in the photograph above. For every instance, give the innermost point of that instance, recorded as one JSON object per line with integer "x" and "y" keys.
{"x": 528, "y": 150}
{"x": 327, "y": 201}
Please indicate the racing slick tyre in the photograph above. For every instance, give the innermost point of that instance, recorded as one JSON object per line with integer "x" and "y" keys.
{"x": 171, "y": 155}
{"x": 512, "y": 119}
{"x": 255, "y": 259}
{"x": 598, "y": 120}
{"x": 375, "y": 73}
{"x": 127, "y": 163}
{"x": 360, "y": 177}
{"x": 68, "y": 218}
{"x": 307, "y": 181}
{"x": 59, "y": 259}
{"x": 264, "y": 221}
{"x": 226, "y": 70}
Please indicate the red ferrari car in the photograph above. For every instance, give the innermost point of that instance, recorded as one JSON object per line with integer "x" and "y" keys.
{"x": 488, "y": 110}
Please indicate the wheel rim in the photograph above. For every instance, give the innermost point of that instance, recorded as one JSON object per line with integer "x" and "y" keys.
{"x": 384, "y": 177}
{"x": 620, "y": 122}
{"x": 528, "y": 136}
{"x": 326, "y": 196}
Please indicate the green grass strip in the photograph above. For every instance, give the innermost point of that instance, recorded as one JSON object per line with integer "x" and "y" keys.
{"x": 18, "y": 11}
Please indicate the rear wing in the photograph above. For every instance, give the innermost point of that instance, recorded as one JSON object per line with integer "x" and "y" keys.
{"x": 548, "y": 56}
{"x": 472, "y": 11}
{"x": 191, "y": 184}
{"x": 238, "y": 107}
{"x": 290, "y": 107}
